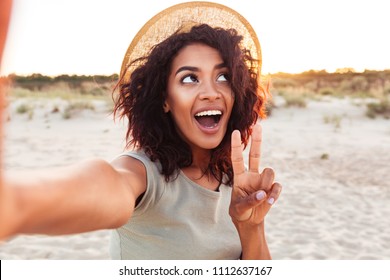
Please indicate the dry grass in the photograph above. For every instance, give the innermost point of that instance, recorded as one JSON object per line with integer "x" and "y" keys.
{"x": 75, "y": 107}
{"x": 298, "y": 89}
{"x": 63, "y": 91}
{"x": 334, "y": 120}
{"x": 25, "y": 109}
{"x": 381, "y": 108}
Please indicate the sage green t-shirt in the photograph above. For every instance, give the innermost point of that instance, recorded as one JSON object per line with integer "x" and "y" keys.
{"x": 177, "y": 220}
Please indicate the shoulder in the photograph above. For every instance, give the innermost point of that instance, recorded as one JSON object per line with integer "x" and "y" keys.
{"x": 127, "y": 162}
{"x": 144, "y": 177}
{"x": 133, "y": 169}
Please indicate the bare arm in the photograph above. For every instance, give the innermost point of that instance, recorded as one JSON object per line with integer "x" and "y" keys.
{"x": 5, "y": 13}
{"x": 253, "y": 242}
{"x": 87, "y": 196}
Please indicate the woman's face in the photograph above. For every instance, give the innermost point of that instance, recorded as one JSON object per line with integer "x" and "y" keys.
{"x": 199, "y": 96}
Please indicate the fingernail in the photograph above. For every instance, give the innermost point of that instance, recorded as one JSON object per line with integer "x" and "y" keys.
{"x": 271, "y": 200}
{"x": 260, "y": 195}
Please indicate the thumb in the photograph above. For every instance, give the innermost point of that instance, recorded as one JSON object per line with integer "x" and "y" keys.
{"x": 245, "y": 206}
{"x": 255, "y": 199}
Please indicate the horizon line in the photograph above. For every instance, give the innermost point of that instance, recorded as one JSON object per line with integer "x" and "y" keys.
{"x": 338, "y": 71}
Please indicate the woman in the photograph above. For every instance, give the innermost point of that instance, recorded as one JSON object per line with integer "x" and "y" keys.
{"x": 182, "y": 192}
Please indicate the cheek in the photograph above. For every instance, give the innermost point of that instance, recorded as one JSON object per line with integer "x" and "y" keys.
{"x": 229, "y": 101}
{"x": 179, "y": 110}
{"x": 180, "y": 102}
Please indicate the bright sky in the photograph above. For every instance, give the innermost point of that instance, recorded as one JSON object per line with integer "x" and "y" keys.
{"x": 54, "y": 37}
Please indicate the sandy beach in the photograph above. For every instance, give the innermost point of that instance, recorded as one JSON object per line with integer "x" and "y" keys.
{"x": 332, "y": 161}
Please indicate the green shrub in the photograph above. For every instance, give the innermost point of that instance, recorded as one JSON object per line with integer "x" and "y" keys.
{"x": 75, "y": 107}
{"x": 382, "y": 109}
{"x": 23, "y": 108}
{"x": 295, "y": 100}
{"x": 327, "y": 91}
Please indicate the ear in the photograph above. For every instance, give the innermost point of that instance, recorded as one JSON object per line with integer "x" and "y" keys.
{"x": 166, "y": 107}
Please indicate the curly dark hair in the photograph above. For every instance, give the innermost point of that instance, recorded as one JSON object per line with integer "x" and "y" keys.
{"x": 141, "y": 101}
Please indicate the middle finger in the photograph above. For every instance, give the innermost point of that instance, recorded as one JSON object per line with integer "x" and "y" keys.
{"x": 255, "y": 150}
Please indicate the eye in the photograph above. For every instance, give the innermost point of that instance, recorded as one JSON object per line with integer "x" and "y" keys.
{"x": 223, "y": 77}
{"x": 189, "y": 79}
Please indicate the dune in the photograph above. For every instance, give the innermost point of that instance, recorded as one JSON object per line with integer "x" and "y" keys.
{"x": 332, "y": 161}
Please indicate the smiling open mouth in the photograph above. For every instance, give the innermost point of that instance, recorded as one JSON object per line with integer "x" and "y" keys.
{"x": 209, "y": 119}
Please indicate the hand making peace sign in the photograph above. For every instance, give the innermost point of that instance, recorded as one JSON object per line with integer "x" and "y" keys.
{"x": 254, "y": 192}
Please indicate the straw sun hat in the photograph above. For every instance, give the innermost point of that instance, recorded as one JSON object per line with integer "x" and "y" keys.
{"x": 186, "y": 15}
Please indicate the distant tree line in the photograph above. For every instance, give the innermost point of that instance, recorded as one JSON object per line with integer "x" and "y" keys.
{"x": 342, "y": 82}
{"x": 37, "y": 82}
{"x": 345, "y": 78}
{"x": 338, "y": 76}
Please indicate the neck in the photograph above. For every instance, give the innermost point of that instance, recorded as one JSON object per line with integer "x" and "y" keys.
{"x": 198, "y": 170}
{"x": 201, "y": 159}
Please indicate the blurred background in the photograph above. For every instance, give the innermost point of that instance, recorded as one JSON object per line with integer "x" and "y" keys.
{"x": 327, "y": 134}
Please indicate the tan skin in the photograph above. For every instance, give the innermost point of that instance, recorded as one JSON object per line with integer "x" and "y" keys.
{"x": 5, "y": 14}
{"x": 96, "y": 194}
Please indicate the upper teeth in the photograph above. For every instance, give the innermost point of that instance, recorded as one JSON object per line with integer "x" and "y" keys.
{"x": 208, "y": 113}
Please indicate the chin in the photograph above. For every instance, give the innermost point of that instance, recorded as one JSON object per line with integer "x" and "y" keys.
{"x": 211, "y": 143}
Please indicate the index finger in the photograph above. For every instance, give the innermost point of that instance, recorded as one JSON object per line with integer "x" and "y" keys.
{"x": 255, "y": 150}
{"x": 236, "y": 155}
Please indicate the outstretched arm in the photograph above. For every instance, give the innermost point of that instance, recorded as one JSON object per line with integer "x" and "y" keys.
{"x": 253, "y": 194}
{"x": 87, "y": 196}
{"x": 5, "y": 13}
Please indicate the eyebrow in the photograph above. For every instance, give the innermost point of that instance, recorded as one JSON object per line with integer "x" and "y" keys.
{"x": 196, "y": 69}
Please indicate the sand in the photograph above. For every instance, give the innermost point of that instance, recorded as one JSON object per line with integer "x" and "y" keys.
{"x": 332, "y": 161}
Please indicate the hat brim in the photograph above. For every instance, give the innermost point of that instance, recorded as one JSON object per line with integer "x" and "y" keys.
{"x": 168, "y": 21}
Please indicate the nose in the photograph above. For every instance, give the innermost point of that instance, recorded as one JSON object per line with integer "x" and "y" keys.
{"x": 209, "y": 91}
